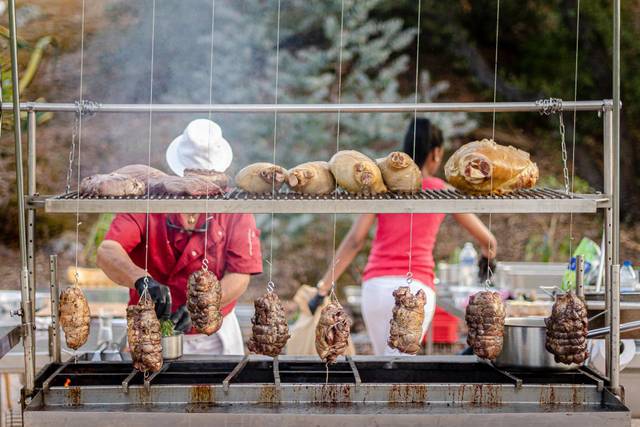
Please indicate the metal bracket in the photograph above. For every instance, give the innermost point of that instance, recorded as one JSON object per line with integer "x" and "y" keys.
{"x": 599, "y": 382}
{"x": 126, "y": 381}
{"x": 354, "y": 369}
{"x": 276, "y": 372}
{"x": 236, "y": 370}
{"x": 147, "y": 381}
{"x": 516, "y": 381}
{"x": 47, "y": 383}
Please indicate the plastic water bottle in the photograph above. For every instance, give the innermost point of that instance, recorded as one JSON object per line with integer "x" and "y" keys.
{"x": 628, "y": 277}
{"x": 468, "y": 265}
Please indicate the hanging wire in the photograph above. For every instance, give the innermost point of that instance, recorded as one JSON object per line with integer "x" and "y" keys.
{"x": 79, "y": 130}
{"x": 145, "y": 292}
{"x": 573, "y": 142}
{"x": 493, "y": 130}
{"x": 205, "y": 261}
{"x": 335, "y": 191}
{"x": 270, "y": 285}
{"x": 415, "y": 121}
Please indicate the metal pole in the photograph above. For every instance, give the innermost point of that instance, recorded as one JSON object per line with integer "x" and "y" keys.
{"x": 54, "y": 335}
{"x": 608, "y": 228}
{"x": 31, "y": 213}
{"x": 27, "y": 320}
{"x": 472, "y": 107}
{"x": 615, "y": 291}
{"x": 580, "y": 276}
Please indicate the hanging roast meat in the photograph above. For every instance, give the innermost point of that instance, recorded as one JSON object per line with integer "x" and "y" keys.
{"x": 332, "y": 332}
{"x": 357, "y": 173}
{"x": 567, "y": 329}
{"x": 484, "y": 167}
{"x": 313, "y": 178}
{"x": 111, "y": 185}
{"x": 400, "y": 172}
{"x": 75, "y": 317}
{"x": 143, "y": 332}
{"x": 261, "y": 178}
{"x": 204, "y": 298}
{"x": 270, "y": 330}
{"x": 485, "y": 320}
{"x": 406, "y": 324}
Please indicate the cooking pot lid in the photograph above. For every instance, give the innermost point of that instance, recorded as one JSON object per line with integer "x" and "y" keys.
{"x": 529, "y": 322}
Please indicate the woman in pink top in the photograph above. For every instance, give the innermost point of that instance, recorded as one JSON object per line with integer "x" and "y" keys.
{"x": 388, "y": 262}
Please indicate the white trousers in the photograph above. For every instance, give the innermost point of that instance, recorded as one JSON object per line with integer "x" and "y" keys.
{"x": 228, "y": 339}
{"x": 377, "y": 309}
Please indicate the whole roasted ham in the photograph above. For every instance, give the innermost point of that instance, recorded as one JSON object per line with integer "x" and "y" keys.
{"x": 203, "y": 302}
{"x": 314, "y": 178}
{"x": 143, "y": 332}
{"x": 270, "y": 330}
{"x": 261, "y": 178}
{"x": 112, "y": 185}
{"x": 357, "y": 173}
{"x": 75, "y": 317}
{"x": 406, "y": 324}
{"x": 400, "y": 172}
{"x": 485, "y": 167}
{"x": 485, "y": 320}
{"x": 332, "y": 332}
{"x": 567, "y": 329}
{"x": 195, "y": 182}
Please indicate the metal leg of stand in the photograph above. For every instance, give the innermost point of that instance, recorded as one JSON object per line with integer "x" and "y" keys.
{"x": 54, "y": 336}
{"x": 126, "y": 381}
{"x": 239, "y": 367}
{"x": 276, "y": 372}
{"x": 354, "y": 369}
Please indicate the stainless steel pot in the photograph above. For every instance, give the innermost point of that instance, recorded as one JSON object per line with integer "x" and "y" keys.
{"x": 524, "y": 346}
{"x": 172, "y": 346}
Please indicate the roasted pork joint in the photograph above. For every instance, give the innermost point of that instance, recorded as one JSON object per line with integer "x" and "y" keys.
{"x": 485, "y": 167}
{"x": 357, "y": 173}
{"x": 313, "y": 178}
{"x": 112, "y": 185}
{"x": 332, "y": 332}
{"x": 203, "y": 302}
{"x": 485, "y": 320}
{"x": 406, "y": 324}
{"x": 400, "y": 173}
{"x": 75, "y": 317}
{"x": 145, "y": 339}
{"x": 270, "y": 330}
{"x": 567, "y": 329}
{"x": 261, "y": 178}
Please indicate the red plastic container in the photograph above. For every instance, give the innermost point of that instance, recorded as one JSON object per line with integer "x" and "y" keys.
{"x": 444, "y": 327}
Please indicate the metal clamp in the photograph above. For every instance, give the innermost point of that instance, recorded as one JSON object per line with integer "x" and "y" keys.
{"x": 354, "y": 369}
{"x": 549, "y": 106}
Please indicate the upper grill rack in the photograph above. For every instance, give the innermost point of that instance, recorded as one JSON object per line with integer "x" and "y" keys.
{"x": 538, "y": 200}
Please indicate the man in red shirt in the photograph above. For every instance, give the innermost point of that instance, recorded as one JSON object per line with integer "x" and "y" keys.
{"x": 176, "y": 249}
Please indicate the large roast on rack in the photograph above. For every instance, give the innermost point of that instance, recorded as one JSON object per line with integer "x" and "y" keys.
{"x": 485, "y": 167}
{"x": 400, "y": 172}
{"x": 314, "y": 178}
{"x": 357, "y": 173}
{"x": 261, "y": 178}
{"x": 567, "y": 329}
{"x": 485, "y": 316}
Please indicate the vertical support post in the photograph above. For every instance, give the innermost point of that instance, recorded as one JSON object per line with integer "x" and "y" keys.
{"x": 580, "y": 276}
{"x": 31, "y": 213}
{"x": 615, "y": 246}
{"x": 608, "y": 227}
{"x": 54, "y": 335}
{"x": 26, "y": 306}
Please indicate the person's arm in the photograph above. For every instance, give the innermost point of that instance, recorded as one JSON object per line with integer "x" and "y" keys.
{"x": 349, "y": 248}
{"x": 117, "y": 265}
{"x": 475, "y": 227}
{"x": 233, "y": 286}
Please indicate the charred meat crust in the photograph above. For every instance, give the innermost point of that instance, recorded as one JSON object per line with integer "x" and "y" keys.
{"x": 270, "y": 330}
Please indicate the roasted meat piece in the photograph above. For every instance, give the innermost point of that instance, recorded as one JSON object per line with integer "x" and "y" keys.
{"x": 204, "y": 298}
{"x": 485, "y": 319}
{"x": 141, "y": 172}
{"x": 216, "y": 179}
{"x": 484, "y": 167}
{"x": 75, "y": 317}
{"x": 270, "y": 330}
{"x": 357, "y": 173}
{"x": 400, "y": 172}
{"x": 332, "y": 332}
{"x": 195, "y": 182}
{"x": 261, "y": 178}
{"x": 313, "y": 178}
{"x": 406, "y": 324}
{"x": 567, "y": 329}
{"x": 111, "y": 185}
{"x": 143, "y": 332}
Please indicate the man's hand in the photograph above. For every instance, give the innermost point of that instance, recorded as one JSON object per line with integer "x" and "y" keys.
{"x": 181, "y": 319}
{"x": 159, "y": 294}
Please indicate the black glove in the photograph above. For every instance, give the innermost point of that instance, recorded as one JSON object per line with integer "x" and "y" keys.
{"x": 316, "y": 302}
{"x": 483, "y": 263}
{"x": 181, "y": 319}
{"x": 159, "y": 294}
